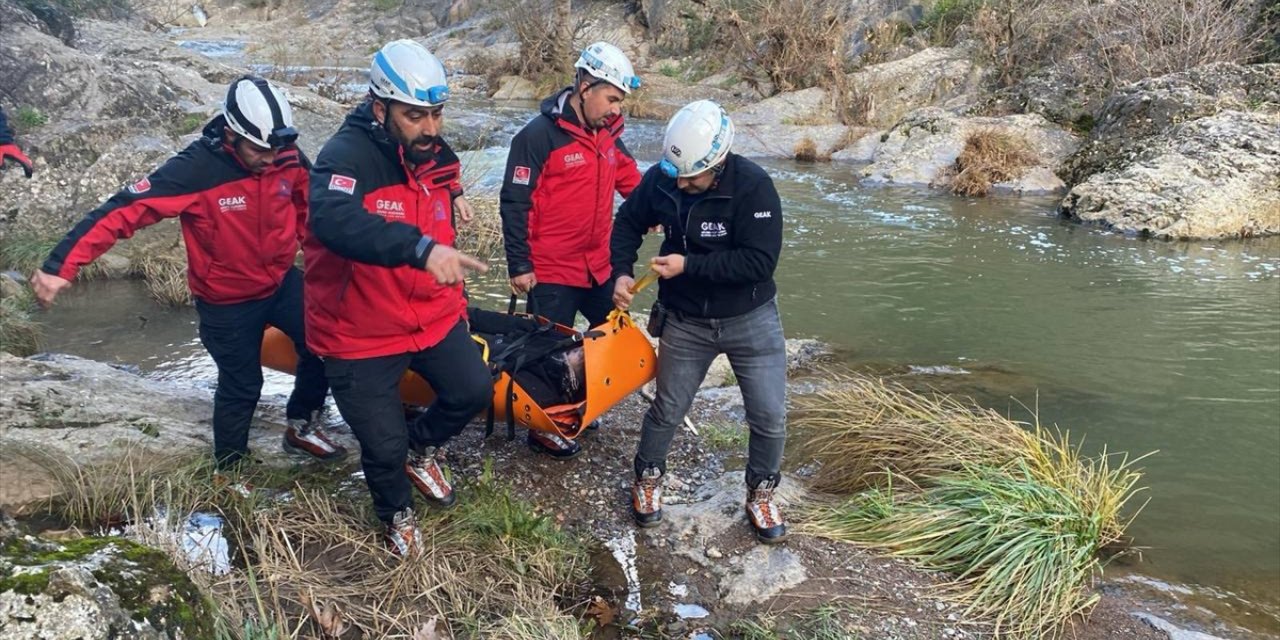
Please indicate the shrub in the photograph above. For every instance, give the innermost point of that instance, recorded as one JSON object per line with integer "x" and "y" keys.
{"x": 792, "y": 44}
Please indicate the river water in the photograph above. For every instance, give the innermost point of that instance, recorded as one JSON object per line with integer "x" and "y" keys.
{"x": 1134, "y": 345}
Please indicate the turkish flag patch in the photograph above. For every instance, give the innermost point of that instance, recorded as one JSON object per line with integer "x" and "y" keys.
{"x": 141, "y": 186}
{"x": 520, "y": 175}
{"x": 342, "y": 183}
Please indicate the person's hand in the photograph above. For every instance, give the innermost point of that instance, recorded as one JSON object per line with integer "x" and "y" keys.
{"x": 47, "y": 287}
{"x": 523, "y": 283}
{"x": 11, "y": 153}
{"x": 668, "y": 266}
{"x": 449, "y": 266}
{"x": 462, "y": 209}
{"x": 622, "y": 295}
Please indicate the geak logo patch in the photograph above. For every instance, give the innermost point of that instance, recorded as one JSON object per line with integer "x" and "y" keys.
{"x": 232, "y": 203}
{"x": 390, "y": 208}
{"x": 714, "y": 230}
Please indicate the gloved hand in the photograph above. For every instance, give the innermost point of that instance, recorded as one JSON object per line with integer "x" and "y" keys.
{"x": 12, "y": 152}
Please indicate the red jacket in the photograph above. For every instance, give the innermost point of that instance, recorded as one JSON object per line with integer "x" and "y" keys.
{"x": 242, "y": 230}
{"x": 367, "y": 294}
{"x": 557, "y": 196}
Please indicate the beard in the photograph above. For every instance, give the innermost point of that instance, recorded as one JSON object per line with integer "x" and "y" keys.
{"x": 413, "y": 154}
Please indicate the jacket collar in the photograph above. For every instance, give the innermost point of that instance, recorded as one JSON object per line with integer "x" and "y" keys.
{"x": 362, "y": 118}
{"x": 556, "y": 108}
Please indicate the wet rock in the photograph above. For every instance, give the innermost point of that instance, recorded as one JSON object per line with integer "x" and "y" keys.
{"x": 1189, "y": 155}
{"x": 715, "y": 507}
{"x": 764, "y": 572}
{"x": 1213, "y": 177}
{"x": 1173, "y": 631}
{"x": 922, "y": 149}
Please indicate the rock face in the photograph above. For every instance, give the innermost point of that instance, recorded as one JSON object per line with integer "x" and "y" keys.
{"x": 923, "y": 147}
{"x": 935, "y": 77}
{"x": 778, "y": 126}
{"x": 1213, "y": 177}
{"x": 63, "y": 408}
{"x": 1194, "y": 154}
{"x": 116, "y": 105}
{"x": 1150, "y": 107}
{"x": 94, "y": 589}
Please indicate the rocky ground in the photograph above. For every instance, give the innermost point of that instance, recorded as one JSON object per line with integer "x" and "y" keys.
{"x": 702, "y": 559}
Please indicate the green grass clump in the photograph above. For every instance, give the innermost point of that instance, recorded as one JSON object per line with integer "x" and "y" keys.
{"x": 1016, "y": 514}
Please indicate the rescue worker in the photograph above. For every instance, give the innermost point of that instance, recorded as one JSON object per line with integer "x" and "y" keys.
{"x": 384, "y": 284}
{"x": 557, "y": 197}
{"x": 9, "y": 151}
{"x": 241, "y": 195}
{"x": 722, "y": 221}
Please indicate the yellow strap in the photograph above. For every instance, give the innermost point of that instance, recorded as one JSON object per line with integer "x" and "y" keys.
{"x": 644, "y": 281}
{"x": 483, "y": 343}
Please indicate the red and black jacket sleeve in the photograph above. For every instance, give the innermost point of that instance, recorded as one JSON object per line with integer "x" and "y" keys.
{"x": 343, "y": 173}
{"x": 173, "y": 189}
{"x": 529, "y": 151}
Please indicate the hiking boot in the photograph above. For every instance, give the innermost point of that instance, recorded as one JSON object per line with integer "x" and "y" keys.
{"x": 402, "y": 534}
{"x": 646, "y": 498}
{"x": 594, "y": 425}
{"x": 305, "y": 436}
{"x": 428, "y": 478}
{"x": 764, "y": 514}
{"x": 553, "y": 445}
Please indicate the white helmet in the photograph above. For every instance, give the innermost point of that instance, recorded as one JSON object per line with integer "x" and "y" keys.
{"x": 406, "y": 72}
{"x": 259, "y": 112}
{"x": 698, "y": 138}
{"x": 607, "y": 62}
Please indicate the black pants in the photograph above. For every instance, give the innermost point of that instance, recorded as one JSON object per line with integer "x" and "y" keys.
{"x": 367, "y": 392}
{"x": 232, "y": 333}
{"x": 560, "y": 303}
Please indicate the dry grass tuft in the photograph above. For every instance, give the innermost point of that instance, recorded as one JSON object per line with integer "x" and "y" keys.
{"x": 482, "y": 237}
{"x": 990, "y": 156}
{"x": 165, "y": 273}
{"x": 308, "y": 559}
{"x": 805, "y": 150}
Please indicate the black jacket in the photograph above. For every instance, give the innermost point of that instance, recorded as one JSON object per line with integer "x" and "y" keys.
{"x": 731, "y": 241}
{"x": 6, "y": 134}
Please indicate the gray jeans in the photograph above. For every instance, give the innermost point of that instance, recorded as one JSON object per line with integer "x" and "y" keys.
{"x": 758, "y": 354}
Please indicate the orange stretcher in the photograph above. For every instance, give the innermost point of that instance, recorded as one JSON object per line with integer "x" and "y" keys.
{"x": 618, "y": 359}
